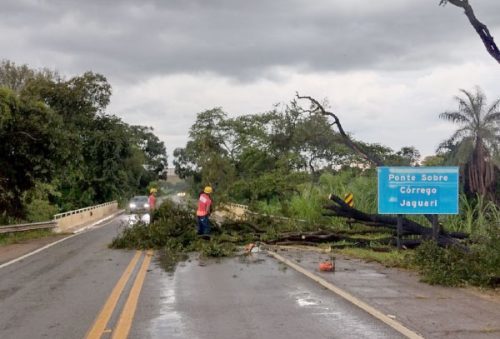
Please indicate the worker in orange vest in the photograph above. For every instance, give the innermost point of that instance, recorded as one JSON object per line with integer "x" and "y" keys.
{"x": 152, "y": 199}
{"x": 203, "y": 211}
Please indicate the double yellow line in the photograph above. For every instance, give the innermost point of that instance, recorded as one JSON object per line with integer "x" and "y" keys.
{"x": 124, "y": 323}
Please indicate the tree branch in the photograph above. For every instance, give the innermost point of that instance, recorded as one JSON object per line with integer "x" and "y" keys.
{"x": 347, "y": 139}
{"x": 26, "y": 134}
{"x": 341, "y": 209}
{"x": 481, "y": 29}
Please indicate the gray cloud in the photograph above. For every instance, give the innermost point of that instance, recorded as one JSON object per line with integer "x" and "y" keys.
{"x": 243, "y": 39}
{"x": 382, "y": 63}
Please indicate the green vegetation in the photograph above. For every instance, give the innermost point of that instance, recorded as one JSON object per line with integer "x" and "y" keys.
{"x": 390, "y": 258}
{"x": 60, "y": 150}
{"x": 172, "y": 226}
{"x": 474, "y": 145}
{"x": 19, "y": 237}
{"x": 173, "y": 233}
{"x": 477, "y": 216}
{"x": 287, "y": 161}
{"x": 455, "y": 267}
{"x": 265, "y": 158}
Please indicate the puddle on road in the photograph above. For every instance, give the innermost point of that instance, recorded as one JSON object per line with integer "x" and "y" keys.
{"x": 330, "y": 309}
{"x": 307, "y": 302}
{"x": 169, "y": 324}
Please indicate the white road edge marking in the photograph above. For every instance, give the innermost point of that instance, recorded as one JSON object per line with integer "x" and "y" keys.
{"x": 349, "y": 297}
{"x": 98, "y": 222}
{"x": 13, "y": 261}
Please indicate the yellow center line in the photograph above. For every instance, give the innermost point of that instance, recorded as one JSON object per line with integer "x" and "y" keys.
{"x": 125, "y": 322}
{"x": 107, "y": 310}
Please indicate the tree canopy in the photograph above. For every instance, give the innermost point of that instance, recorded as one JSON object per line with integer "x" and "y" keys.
{"x": 476, "y": 142}
{"x": 58, "y": 144}
{"x": 268, "y": 155}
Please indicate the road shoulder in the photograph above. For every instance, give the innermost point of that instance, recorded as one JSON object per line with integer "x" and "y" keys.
{"x": 13, "y": 251}
{"x": 433, "y": 311}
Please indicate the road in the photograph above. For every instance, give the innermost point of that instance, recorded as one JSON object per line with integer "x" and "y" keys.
{"x": 58, "y": 292}
{"x": 61, "y": 291}
{"x": 245, "y": 297}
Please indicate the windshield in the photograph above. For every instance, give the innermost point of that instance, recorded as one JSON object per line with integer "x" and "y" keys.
{"x": 139, "y": 199}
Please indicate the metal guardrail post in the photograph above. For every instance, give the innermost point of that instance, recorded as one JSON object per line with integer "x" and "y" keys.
{"x": 49, "y": 224}
{"x": 27, "y": 227}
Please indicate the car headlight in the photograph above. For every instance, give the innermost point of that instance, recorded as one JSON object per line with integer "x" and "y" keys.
{"x": 132, "y": 205}
{"x": 146, "y": 205}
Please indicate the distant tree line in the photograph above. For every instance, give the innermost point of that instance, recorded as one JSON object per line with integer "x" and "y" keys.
{"x": 268, "y": 155}
{"x": 60, "y": 150}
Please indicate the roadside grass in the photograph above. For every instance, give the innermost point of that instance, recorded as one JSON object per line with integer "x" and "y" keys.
{"x": 391, "y": 258}
{"x": 19, "y": 237}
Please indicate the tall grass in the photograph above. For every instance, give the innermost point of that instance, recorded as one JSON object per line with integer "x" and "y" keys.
{"x": 307, "y": 205}
{"x": 363, "y": 185}
{"x": 273, "y": 207}
{"x": 312, "y": 197}
{"x": 477, "y": 216}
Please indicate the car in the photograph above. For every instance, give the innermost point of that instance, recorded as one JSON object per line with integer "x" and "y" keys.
{"x": 138, "y": 204}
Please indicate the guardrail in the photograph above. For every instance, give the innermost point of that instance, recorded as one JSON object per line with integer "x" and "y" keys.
{"x": 67, "y": 220}
{"x": 27, "y": 227}
{"x": 70, "y": 220}
{"x": 82, "y": 210}
{"x": 232, "y": 205}
{"x": 241, "y": 210}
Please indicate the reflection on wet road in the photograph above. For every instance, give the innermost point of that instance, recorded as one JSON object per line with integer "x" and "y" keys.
{"x": 252, "y": 297}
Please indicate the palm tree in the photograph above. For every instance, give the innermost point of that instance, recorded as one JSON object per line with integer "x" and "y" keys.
{"x": 476, "y": 142}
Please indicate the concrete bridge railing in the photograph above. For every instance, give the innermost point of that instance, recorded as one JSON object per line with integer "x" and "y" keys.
{"x": 71, "y": 220}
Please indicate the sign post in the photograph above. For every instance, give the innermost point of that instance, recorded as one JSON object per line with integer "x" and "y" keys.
{"x": 418, "y": 190}
{"x": 399, "y": 229}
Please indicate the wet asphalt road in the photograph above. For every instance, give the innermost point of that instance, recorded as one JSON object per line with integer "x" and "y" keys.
{"x": 59, "y": 292}
{"x": 242, "y": 297}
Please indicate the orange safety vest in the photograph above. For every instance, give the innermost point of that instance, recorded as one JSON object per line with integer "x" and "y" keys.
{"x": 204, "y": 203}
{"x": 152, "y": 202}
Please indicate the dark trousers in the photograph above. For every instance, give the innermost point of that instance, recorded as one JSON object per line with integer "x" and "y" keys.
{"x": 203, "y": 225}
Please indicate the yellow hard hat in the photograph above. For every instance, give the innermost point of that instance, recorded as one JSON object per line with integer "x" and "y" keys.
{"x": 207, "y": 190}
{"x": 153, "y": 190}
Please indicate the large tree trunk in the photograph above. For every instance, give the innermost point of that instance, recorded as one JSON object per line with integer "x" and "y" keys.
{"x": 480, "y": 173}
{"x": 341, "y": 209}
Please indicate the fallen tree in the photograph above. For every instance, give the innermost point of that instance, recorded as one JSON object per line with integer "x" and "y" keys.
{"x": 340, "y": 209}
{"x": 409, "y": 227}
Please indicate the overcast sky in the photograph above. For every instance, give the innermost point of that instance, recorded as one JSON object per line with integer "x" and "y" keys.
{"x": 387, "y": 67}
